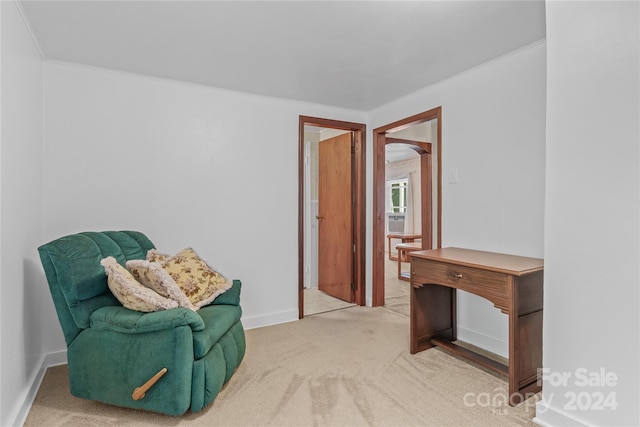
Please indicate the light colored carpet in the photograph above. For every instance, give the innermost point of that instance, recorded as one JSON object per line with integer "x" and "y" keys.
{"x": 350, "y": 367}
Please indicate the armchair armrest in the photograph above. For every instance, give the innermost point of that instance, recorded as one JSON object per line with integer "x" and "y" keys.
{"x": 231, "y": 296}
{"x": 121, "y": 319}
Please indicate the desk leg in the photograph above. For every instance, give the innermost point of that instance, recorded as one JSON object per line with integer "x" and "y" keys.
{"x": 433, "y": 314}
{"x": 404, "y": 257}
{"x": 525, "y": 337}
{"x": 391, "y": 257}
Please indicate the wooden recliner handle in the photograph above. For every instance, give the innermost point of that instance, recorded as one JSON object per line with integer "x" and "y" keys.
{"x": 140, "y": 392}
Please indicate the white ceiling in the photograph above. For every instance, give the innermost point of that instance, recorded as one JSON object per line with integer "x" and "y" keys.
{"x": 352, "y": 54}
{"x": 398, "y": 153}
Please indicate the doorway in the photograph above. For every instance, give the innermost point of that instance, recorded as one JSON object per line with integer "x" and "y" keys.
{"x": 431, "y": 213}
{"x": 348, "y": 147}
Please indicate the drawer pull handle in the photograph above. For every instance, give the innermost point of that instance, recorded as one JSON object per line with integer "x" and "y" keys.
{"x": 455, "y": 275}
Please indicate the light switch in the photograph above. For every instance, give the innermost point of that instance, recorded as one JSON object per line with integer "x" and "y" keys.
{"x": 453, "y": 176}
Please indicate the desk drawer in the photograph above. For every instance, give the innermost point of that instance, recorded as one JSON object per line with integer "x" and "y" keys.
{"x": 487, "y": 284}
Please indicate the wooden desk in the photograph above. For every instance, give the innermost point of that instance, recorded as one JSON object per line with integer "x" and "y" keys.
{"x": 513, "y": 284}
{"x": 404, "y": 237}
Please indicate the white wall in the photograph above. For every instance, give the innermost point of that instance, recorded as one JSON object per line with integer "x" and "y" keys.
{"x": 186, "y": 164}
{"x": 24, "y": 302}
{"x": 592, "y": 256}
{"x": 493, "y": 133}
{"x": 311, "y": 209}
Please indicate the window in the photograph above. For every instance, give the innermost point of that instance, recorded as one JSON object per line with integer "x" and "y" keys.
{"x": 398, "y": 195}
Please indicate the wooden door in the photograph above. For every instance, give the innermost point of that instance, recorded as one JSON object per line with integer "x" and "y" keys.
{"x": 335, "y": 217}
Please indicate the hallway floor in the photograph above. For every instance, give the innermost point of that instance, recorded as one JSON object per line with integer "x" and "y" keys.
{"x": 396, "y": 294}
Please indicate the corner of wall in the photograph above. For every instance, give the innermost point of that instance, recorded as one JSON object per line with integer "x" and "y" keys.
{"x": 25, "y": 402}
{"x": 253, "y": 322}
{"x": 549, "y": 416}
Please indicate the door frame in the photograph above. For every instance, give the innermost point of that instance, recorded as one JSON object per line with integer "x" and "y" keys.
{"x": 358, "y": 193}
{"x": 380, "y": 141}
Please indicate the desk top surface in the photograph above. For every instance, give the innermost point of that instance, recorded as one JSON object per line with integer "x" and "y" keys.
{"x": 503, "y": 263}
{"x": 404, "y": 235}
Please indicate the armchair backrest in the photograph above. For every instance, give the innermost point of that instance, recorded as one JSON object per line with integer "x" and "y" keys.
{"x": 76, "y": 279}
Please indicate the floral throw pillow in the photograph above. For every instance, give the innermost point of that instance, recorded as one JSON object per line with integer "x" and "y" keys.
{"x": 199, "y": 282}
{"x": 153, "y": 276}
{"x": 155, "y": 256}
{"x": 130, "y": 292}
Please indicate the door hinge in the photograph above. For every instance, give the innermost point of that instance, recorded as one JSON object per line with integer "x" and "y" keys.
{"x": 353, "y": 287}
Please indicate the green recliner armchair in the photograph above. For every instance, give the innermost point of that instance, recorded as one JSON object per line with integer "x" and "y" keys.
{"x": 114, "y": 353}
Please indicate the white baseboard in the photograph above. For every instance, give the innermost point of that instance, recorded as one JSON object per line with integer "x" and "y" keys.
{"x": 483, "y": 341}
{"x": 548, "y": 416}
{"x": 253, "y": 322}
{"x": 48, "y": 360}
{"x": 55, "y": 359}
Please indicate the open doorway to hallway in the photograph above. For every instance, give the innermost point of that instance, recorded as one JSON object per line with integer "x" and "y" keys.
{"x": 407, "y": 202}
{"x": 331, "y": 215}
{"x": 403, "y": 216}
